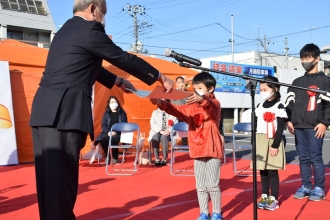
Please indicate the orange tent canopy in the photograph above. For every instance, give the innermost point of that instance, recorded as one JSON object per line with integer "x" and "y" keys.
{"x": 138, "y": 110}
{"x": 26, "y": 65}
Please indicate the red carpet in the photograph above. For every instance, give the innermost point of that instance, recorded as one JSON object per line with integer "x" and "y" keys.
{"x": 153, "y": 193}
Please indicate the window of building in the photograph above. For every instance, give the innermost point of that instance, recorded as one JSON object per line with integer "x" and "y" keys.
{"x": 15, "y": 34}
{"x": 29, "y": 6}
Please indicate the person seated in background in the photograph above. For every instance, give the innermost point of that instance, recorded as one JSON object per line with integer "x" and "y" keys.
{"x": 180, "y": 85}
{"x": 112, "y": 115}
{"x": 161, "y": 125}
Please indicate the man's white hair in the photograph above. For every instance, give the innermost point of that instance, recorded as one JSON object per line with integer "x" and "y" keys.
{"x": 81, "y": 5}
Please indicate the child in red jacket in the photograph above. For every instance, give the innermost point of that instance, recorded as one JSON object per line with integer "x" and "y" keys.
{"x": 202, "y": 113}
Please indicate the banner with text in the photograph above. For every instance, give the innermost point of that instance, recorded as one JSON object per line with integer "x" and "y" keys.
{"x": 235, "y": 84}
{"x": 8, "y": 146}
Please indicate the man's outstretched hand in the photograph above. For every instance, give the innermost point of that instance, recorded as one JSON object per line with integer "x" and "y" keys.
{"x": 166, "y": 82}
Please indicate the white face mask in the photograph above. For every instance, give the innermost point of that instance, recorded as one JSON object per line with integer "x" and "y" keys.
{"x": 200, "y": 93}
{"x": 113, "y": 106}
{"x": 266, "y": 95}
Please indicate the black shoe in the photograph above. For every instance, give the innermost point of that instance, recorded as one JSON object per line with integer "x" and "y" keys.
{"x": 157, "y": 163}
{"x": 163, "y": 163}
{"x": 113, "y": 161}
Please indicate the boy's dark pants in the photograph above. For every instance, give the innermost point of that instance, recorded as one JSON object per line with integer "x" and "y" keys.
{"x": 309, "y": 149}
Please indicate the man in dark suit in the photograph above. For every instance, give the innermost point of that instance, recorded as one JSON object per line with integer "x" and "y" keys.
{"x": 61, "y": 115}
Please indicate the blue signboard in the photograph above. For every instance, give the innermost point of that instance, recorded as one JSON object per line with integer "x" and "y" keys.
{"x": 226, "y": 83}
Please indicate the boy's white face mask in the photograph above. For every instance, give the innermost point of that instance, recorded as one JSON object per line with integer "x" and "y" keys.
{"x": 200, "y": 93}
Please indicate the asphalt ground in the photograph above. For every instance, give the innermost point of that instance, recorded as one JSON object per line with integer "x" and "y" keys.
{"x": 290, "y": 149}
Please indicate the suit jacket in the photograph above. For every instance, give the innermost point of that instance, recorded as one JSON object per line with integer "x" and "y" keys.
{"x": 74, "y": 63}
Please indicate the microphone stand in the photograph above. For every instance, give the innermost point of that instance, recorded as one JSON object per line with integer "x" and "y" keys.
{"x": 252, "y": 85}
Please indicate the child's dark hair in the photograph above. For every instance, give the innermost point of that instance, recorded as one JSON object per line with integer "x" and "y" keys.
{"x": 273, "y": 86}
{"x": 179, "y": 77}
{"x": 206, "y": 78}
{"x": 310, "y": 50}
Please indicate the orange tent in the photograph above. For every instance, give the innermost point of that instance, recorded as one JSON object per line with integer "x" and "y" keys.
{"x": 26, "y": 64}
{"x": 138, "y": 109}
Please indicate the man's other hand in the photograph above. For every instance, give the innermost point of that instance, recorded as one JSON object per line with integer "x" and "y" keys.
{"x": 127, "y": 86}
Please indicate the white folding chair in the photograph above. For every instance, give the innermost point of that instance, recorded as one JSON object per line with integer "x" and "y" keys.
{"x": 179, "y": 130}
{"x": 124, "y": 127}
{"x": 241, "y": 127}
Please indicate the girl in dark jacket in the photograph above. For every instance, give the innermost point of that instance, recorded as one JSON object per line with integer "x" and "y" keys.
{"x": 112, "y": 115}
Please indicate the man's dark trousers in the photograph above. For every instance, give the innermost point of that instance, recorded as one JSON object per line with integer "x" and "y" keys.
{"x": 56, "y": 155}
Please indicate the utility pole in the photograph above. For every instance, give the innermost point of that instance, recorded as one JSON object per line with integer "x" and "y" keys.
{"x": 311, "y": 29}
{"x": 286, "y": 50}
{"x": 133, "y": 11}
{"x": 258, "y": 35}
{"x": 232, "y": 38}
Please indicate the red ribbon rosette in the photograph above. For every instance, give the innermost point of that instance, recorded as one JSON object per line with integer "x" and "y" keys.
{"x": 199, "y": 122}
{"x": 198, "y": 119}
{"x": 269, "y": 118}
{"x": 170, "y": 122}
{"x": 312, "y": 98}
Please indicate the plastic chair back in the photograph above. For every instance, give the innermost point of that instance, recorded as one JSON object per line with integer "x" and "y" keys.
{"x": 182, "y": 128}
{"x": 241, "y": 127}
{"x": 124, "y": 127}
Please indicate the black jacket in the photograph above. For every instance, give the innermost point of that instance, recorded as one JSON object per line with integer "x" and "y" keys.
{"x": 297, "y": 102}
{"x": 106, "y": 121}
{"x": 74, "y": 63}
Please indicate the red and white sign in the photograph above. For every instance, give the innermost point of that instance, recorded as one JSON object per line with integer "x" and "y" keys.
{"x": 8, "y": 146}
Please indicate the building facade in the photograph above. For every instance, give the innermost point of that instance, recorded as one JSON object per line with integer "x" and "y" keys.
{"x": 29, "y": 21}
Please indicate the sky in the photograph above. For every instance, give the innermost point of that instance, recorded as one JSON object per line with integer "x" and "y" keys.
{"x": 202, "y": 28}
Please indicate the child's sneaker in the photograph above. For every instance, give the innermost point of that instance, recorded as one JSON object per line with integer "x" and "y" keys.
{"x": 217, "y": 216}
{"x": 302, "y": 193}
{"x": 262, "y": 203}
{"x": 317, "y": 194}
{"x": 272, "y": 203}
{"x": 203, "y": 216}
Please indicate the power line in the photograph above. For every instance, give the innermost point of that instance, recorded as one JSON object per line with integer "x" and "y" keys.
{"x": 298, "y": 32}
{"x": 194, "y": 36}
{"x": 185, "y": 30}
{"x": 234, "y": 34}
{"x": 168, "y": 6}
{"x": 172, "y": 48}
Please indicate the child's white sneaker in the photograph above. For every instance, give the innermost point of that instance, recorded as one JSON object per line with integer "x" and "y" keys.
{"x": 272, "y": 203}
{"x": 263, "y": 201}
